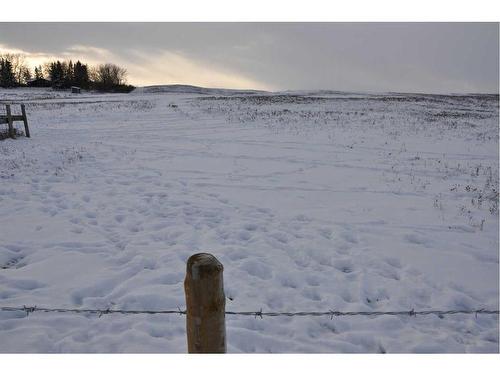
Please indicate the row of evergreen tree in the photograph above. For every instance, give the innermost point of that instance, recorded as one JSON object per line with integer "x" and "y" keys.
{"x": 62, "y": 75}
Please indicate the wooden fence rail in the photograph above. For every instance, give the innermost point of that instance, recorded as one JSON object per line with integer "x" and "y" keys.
{"x": 9, "y": 119}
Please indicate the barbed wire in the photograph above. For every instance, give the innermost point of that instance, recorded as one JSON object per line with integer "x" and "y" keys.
{"x": 261, "y": 314}
{"x": 31, "y": 309}
{"x": 333, "y": 313}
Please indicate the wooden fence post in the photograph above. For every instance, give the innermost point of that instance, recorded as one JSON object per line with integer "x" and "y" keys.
{"x": 25, "y": 120}
{"x": 12, "y": 133}
{"x": 205, "y": 305}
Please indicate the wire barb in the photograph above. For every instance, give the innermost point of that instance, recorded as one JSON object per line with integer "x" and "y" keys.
{"x": 181, "y": 312}
{"x": 107, "y": 311}
{"x": 29, "y": 310}
{"x": 259, "y": 313}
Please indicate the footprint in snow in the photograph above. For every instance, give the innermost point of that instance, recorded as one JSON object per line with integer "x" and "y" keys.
{"x": 394, "y": 262}
{"x": 302, "y": 218}
{"x": 120, "y": 218}
{"x": 257, "y": 269}
{"x": 244, "y": 236}
{"x": 326, "y": 233}
{"x": 347, "y": 296}
{"x": 417, "y": 240}
{"x": 349, "y": 237}
{"x": 311, "y": 294}
{"x": 344, "y": 265}
{"x": 280, "y": 237}
{"x": 237, "y": 254}
{"x": 24, "y": 284}
{"x": 312, "y": 281}
{"x": 251, "y": 227}
{"x": 12, "y": 263}
{"x": 289, "y": 282}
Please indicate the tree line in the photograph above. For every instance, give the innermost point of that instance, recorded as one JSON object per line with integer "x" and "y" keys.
{"x": 14, "y": 72}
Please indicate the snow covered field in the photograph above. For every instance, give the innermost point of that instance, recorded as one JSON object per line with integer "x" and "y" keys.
{"x": 312, "y": 201}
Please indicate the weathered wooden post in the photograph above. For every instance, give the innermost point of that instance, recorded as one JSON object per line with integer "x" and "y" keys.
{"x": 12, "y": 132}
{"x": 205, "y": 305}
{"x": 25, "y": 120}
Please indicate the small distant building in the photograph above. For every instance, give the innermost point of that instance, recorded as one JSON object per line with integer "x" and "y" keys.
{"x": 59, "y": 84}
{"x": 39, "y": 82}
{"x": 76, "y": 90}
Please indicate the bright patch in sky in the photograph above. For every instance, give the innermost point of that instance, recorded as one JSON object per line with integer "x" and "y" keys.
{"x": 164, "y": 68}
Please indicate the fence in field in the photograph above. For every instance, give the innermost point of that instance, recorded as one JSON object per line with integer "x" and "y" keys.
{"x": 205, "y": 307}
{"x": 9, "y": 119}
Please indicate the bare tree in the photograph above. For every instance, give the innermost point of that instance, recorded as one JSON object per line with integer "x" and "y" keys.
{"x": 109, "y": 75}
{"x": 18, "y": 61}
{"x": 46, "y": 69}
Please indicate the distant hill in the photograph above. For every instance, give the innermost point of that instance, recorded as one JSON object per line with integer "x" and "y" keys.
{"x": 188, "y": 89}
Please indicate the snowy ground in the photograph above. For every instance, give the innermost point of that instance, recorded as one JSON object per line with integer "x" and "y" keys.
{"x": 316, "y": 201}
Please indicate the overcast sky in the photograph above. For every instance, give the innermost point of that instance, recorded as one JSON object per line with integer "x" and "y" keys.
{"x": 404, "y": 57}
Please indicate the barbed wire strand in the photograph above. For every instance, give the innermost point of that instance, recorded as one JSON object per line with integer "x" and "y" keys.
{"x": 261, "y": 314}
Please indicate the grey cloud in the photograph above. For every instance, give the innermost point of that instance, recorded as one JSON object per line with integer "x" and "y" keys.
{"x": 410, "y": 57}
